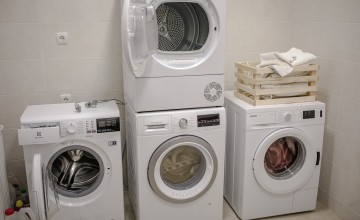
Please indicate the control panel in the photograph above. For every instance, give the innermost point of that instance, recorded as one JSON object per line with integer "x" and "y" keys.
{"x": 298, "y": 116}
{"x": 182, "y": 122}
{"x": 89, "y": 126}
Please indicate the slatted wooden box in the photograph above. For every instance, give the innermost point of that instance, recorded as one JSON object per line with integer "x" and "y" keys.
{"x": 253, "y": 89}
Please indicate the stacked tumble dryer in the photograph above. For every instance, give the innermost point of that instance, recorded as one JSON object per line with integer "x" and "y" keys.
{"x": 173, "y": 68}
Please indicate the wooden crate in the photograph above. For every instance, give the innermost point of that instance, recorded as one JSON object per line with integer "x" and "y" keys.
{"x": 249, "y": 84}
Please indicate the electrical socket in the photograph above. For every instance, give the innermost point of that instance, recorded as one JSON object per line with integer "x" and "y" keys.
{"x": 65, "y": 98}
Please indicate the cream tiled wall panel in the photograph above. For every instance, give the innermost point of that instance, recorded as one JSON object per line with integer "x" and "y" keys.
{"x": 21, "y": 11}
{"x": 35, "y": 70}
{"x": 99, "y": 39}
{"x": 79, "y": 11}
{"x": 20, "y": 41}
{"x": 331, "y": 29}
{"x": 83, "y": 74}
{"x": 21, "y": 76}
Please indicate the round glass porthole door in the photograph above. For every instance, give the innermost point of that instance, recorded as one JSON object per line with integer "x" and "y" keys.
{"x": 182, "y": 169}
{"x": 182, "y": 26}
{"x": 284, "y": 161}
{"x": 76, "y": 171}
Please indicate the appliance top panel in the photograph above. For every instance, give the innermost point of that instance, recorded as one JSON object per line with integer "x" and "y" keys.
{"x": 66, "y": 111}
{"x": 181, "y": 121}
{"x": 306, "y": 113}
{"x": 229, "y": 97}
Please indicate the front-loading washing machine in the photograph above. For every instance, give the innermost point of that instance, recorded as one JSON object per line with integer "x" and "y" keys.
{"x": 173, "y": 53}
{"x": 175, "y": 163}
{"x": 73, "y": 161}
{"x": 272, "y": 157}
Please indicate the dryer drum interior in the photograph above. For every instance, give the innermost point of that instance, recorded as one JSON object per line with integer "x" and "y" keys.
{"x": 76, "y": 171}
{"x": 182, "y": 26}
{"x": 284, "y": 158}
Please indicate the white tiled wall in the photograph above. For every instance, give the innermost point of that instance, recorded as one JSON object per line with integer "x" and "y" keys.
{"x": 253, "y": 27}
{"x": 331, "y": 30}
{"x": 34, "y": 70}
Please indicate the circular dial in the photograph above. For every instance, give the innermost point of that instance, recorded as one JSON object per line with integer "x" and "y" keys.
{"x": 71, "y": 129}
{"x": 287, "y": 116}
{"x": 183, "y": 122}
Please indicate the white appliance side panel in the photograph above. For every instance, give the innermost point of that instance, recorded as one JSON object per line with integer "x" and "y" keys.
{"x": 167, "y": 93}
{"x": 4, "y": 187}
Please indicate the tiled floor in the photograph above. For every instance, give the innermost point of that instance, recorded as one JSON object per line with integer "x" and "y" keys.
{"x": 321, "y": 213}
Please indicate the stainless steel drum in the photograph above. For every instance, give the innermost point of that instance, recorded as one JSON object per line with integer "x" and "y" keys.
{"x": 182, "y": 26}
{"x": 76, "y": 171}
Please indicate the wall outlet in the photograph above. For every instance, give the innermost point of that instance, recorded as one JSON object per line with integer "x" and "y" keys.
{"x": 65, "y": 98}
{"x": 62, "y": 38}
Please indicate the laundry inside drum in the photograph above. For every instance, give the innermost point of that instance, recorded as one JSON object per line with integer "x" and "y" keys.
{"x": 284, "y": 158}
{"x": 182, "y": 26}
{"x": 75, "y": 172}
{"x": 183, "y": 167}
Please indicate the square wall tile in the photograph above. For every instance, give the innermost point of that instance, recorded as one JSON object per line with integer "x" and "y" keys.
{"x": 19, "y": 11}
{"x": 325, "y": 175}
{"x": 332, "y": 108}
{"x": 21, "y": 76}
{"x": 17, "y": 168}
{"x": 304, "y": 37}
{"x": 349, "y": 118}
{"x": 72, "y": 11}
{"x": 353, "y": 43}
{"x": 347, "y": 194}
{"x": 332, "y": 39}
{"x": 322, "y": 10}
{"x": 12, "y": 107}
{"x": 13, "y": 151}
{"x": 259, "y": 10}
{"x": 342, "y": 211}
{"x": 84, "y": 74}
{"x": 347, "y": 154}
{"x": 85, "y": 40}
{"x": 20, "y": 41}
{"x": 351, "y": 81}
{"x": 331, "y": 75}
{"x": 332, "y": 138}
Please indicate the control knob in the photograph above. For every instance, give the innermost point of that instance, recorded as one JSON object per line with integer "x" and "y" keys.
{"x": 183, "y": 122}
{"x": 287, "y": 116}
{"x": 71, "y": 129}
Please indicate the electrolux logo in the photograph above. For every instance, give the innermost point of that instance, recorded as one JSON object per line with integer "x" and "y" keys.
{"x": 38, "y": 135}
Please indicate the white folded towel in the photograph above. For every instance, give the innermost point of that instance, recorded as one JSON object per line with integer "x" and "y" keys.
{"x": 283, "y": 63}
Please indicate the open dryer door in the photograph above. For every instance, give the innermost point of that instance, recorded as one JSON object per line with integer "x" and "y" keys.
{"x": 45, "y": 206}
{"x": 139, "y": 34}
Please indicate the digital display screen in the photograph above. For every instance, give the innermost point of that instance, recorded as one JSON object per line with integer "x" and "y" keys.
{"x": 309, "y": 114}
{"x": 208, "y": 120}
{"x": 104, "y": 125}
{"x": 101, "y": 124}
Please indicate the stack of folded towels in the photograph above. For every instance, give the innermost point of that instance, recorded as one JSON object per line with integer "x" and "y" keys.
{"x": 283, "y": 65}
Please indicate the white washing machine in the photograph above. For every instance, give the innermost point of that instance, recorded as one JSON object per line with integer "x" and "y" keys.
{"x": 73, "y": 161}
{"x": 176, "y": 163}
{"x": 272, "y": 157}
{"x": 173, "y": 53}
